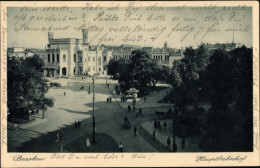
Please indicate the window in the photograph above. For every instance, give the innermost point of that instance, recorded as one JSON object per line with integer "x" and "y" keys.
{"x": 74, "y": 57}
{"x": 64, "y": 57}
{"x": 88, "y": 59}
{"x": 49, "y": 58}
{"x": 88, "y": 69}
{"x": 93, "y": 58}
{"x": 99, "y": 61}
{"x": 99, "y": 69}
{"x": 58, "y": 58}
{"x": 53, "y": 58}
{"x": 80, "y": 58}
{"x": 93, "y": 68}
{"x": 105, "y": 59}
{"x": 85, "y": 60}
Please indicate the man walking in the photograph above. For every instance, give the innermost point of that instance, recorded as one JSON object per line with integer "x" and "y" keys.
{"x": 129, "y": 108}
{"x": 164, "y": 125}
{"x": 135, "y": 131}
{"x": 169, "y": 143}
{"x": 140, "y": 111}
{"x": 154, "y": 135}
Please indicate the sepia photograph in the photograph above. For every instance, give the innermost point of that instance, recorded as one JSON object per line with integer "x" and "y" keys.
{"x": 136, "y": 80}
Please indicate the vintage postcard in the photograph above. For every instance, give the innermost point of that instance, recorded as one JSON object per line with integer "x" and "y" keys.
{"x": 114, "y": 84}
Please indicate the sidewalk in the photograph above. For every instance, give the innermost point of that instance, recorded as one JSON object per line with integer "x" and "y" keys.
{"x": 147, "y": 128}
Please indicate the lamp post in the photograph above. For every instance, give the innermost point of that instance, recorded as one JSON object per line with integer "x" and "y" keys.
{"x": 133, "y": 93}
{"x": 94, "y": 122}
{"x": 106, "y": 78}
{"x": 174, "y": 123}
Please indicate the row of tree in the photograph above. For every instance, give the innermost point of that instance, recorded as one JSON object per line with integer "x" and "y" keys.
{"x": 26, "y": 86}
{"x": 222, "y": 79}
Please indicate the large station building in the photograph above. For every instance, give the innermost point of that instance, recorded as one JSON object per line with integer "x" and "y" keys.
{"x": 68, "y": 56}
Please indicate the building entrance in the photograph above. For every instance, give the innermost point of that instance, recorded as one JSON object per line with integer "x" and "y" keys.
{"x": 64, "y": 71}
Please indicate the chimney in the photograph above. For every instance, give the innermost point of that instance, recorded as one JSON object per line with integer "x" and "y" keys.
{"x": 85, "y": 36}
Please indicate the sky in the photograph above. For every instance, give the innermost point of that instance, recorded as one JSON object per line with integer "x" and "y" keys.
{"x": 179, "y": 27}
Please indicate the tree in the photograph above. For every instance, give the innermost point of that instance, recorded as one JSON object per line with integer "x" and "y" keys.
{"x": 141, "y": 70}
{"x": 26, "y": 87}
{"x": 112, "y": 68}
{"x": 229, "y": 125}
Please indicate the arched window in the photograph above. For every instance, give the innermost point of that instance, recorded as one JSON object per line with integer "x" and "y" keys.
{"x": 64, "y": 57}
{"x": 74, "y": 57}
{"x": 58, "y": 58}
{"x": 53, "y": 58}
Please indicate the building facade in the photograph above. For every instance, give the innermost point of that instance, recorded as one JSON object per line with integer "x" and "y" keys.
{"x": 68, "y": 56}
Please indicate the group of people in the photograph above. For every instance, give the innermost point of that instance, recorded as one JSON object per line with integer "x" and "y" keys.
{"x": 109, "y": 100}
{"x": 139, "y": 112}
{"x": 158, "y": 125}
{"x": 123, "y": 98}
{"x": 77, "y": 124}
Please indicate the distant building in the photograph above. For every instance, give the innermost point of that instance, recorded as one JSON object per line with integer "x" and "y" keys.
{"x": 68, "y": 56}
{"x": 226, "y": 46}
{"x": 25, "y": 52}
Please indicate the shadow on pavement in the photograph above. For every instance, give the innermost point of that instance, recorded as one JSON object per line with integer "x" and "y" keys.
{"x": 75, "y": 112}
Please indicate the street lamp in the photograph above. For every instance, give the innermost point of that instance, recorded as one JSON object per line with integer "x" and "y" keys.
{"x": 94, "y": 122}
{"x": 174, "y": 123}
{"x": 106, "y": 78}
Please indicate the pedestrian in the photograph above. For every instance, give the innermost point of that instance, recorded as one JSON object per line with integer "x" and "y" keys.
{"x": 120, "y": 147}
{"x": 125, "y": 121}
{"x": 64, "y": 93}
{"x": 169, "y": 142}
{"x": 87, "y": 142}
{"x": 160, "y": 127}
{"x": 82, "y": 77}
{"x": 164, "y": 125}
{"x": 79, "y": 122}
{"x": 108, "y": 84}
{"x": 140, "y": 111}
{"x": 135, "y": 131}
{"x": 57, "y": 136}
{"x": 155, "y": 124}
{"x": 154, "y": 134}
{"x": 107, "y": 100}
{"x": 183, "y": 142}
{"x": 76, "y": 124}
{"x": 110, "y": 99}
{"x": 129, "y": 108}
{"x": 145, "y": 99}
{"x": 133, "y": 108}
